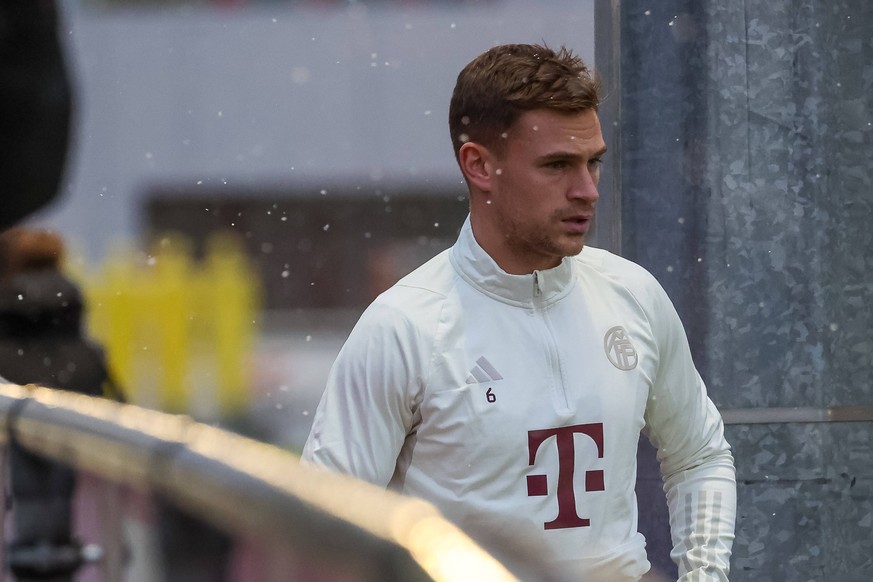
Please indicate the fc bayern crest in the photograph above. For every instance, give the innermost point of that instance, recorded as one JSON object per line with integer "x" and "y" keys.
{"x": 619, "y": 349}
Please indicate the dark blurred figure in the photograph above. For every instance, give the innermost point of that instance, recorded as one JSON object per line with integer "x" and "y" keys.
{"x": 41, "y": 319}
{"x": 35, "y": 106}
{"x": 41, "y": 342}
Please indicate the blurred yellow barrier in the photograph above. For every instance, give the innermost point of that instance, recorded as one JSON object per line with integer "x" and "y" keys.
{"x": 171, "y": 324}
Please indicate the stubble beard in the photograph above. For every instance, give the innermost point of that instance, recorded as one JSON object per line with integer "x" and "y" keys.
{"x": 539, "y": 245}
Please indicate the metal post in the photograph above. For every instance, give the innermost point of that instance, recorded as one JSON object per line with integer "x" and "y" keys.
{"x": 111, "y": 532}
{"x": 5, "y": 488}
{"x": 607, "y": 63}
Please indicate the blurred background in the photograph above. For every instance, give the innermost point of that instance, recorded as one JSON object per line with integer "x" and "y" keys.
{"x": 245, "y": 176}
{"x": 304, "y": 142}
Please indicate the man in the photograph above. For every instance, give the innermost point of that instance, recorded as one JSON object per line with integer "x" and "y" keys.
{"x": 42, "y": 342}
{"x": 507, "y": 379}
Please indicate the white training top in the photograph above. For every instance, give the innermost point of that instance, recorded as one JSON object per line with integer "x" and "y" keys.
{"x": 514, "y": 403}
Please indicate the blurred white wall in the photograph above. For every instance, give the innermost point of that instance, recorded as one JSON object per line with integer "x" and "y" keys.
{"x": 272, "y": 95}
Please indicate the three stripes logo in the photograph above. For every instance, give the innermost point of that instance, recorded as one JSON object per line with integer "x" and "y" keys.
{"x": 483, "y": 371}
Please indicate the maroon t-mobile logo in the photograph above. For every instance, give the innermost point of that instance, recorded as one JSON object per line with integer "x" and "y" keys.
{"x": 538, "y": 484}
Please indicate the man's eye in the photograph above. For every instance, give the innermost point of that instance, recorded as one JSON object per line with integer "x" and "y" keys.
{"x": 595, "y": 162}
{"x": 557, "y": 164}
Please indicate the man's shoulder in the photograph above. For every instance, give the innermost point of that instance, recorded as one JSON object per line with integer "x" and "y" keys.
{"x": 420, "y": 295}
{"x": 435, "y": 278}
{"x": 624, "y": 278}
{"x": 617, "y": 269}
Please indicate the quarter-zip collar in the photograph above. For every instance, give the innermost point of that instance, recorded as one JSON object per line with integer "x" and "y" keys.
{"x": 478, "y": 269}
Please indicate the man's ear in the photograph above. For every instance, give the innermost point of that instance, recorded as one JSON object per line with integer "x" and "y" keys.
{"x": 477, "y": 165}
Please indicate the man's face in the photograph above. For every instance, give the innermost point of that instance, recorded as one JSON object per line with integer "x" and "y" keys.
{"x": 541, "y": 199}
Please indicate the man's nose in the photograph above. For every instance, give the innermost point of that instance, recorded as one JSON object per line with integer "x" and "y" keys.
{"x": 584, "y": 186}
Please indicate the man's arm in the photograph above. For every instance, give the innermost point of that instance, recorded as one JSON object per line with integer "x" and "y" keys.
{"x": 369, "y": 405}
{"x": 696, "y": 463}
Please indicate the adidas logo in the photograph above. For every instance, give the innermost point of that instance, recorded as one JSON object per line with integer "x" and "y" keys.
{"x": 483, "y": 371}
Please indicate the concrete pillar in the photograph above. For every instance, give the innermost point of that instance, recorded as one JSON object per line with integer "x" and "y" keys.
{"x": 746, "y": 155}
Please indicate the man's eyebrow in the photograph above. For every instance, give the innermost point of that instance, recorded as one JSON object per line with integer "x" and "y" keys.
{"x": 562, "y": 155}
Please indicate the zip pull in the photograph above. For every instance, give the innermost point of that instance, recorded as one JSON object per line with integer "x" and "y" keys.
{"x": 536, "y": 290}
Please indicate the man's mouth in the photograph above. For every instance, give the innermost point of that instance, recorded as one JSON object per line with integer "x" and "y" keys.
{"x": 577, "y": 223}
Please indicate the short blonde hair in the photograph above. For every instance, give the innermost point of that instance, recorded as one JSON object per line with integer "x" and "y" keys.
{"x": 495, "y": 88}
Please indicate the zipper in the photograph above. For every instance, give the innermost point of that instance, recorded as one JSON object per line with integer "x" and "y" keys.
{"x": 559, "y": 391}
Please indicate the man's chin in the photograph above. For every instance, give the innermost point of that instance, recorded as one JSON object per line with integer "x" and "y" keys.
{"x": 573, "y": 246}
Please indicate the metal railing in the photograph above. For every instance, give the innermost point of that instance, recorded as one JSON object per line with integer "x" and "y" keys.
{"x": 798, "y": 414}
{"x": 245, "y": 487}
